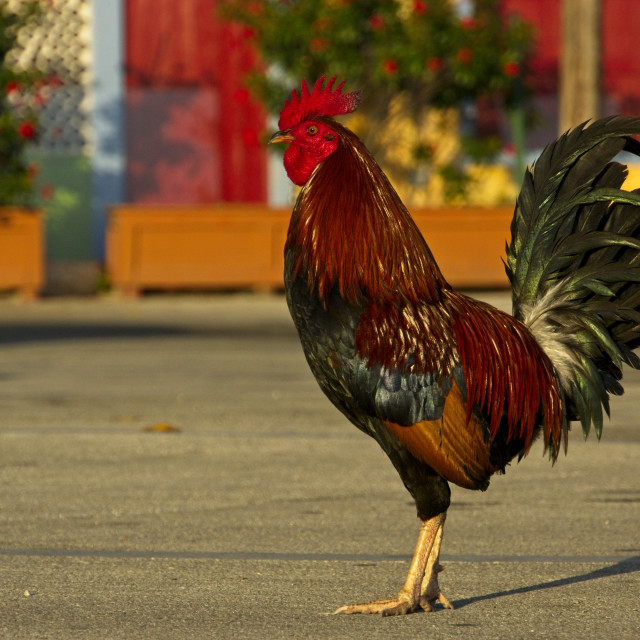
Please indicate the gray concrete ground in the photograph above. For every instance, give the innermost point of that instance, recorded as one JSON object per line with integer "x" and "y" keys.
{"x": 267, "y": 510}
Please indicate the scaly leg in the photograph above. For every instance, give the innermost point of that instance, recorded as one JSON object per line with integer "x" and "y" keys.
{"x": 421, "y": 587}
{"x": 430, "y": 589}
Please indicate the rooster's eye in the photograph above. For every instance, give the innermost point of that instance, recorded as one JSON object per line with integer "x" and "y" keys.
{"x": 312, "y": 130}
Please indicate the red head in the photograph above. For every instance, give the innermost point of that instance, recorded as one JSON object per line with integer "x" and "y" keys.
{"x": 311, "y": 138}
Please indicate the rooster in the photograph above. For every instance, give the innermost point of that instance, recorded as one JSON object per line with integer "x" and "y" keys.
{"x": 451, "y": 388}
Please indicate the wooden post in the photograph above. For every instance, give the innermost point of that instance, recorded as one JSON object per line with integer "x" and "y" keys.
{"x": 579, "y": 63}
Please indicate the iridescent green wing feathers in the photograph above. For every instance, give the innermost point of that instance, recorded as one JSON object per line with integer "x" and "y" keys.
{"x": 574, "y": 262}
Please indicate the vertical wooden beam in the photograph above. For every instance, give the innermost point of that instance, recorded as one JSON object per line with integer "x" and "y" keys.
{"x": 579, "y": 62}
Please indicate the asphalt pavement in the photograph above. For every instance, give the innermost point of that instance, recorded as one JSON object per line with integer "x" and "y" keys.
{"x": 169, "y": 469}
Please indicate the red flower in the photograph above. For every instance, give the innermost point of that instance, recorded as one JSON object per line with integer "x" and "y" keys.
{"x": 27, "y": 130}
{"x": 511, "y": 69}
{"x": 39, "y": 100}
{"x": 321, "y": 24}
{"x": 376, "y": 22}
{"x": 318, "y": 44}
{"x": 390, "y": 67}
{"x": 11, "y": 87}
{"x": 468, "y": 22}
{"x": 46, "y": 191}
{"x": 420, "y": 7}
{"x": 54, "y": 81}
{"x": 464, "y": 56}
{"x": 434, "y": 64}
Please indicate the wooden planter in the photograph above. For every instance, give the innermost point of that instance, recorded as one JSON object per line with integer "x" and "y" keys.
{"x": 21, "y": 251}
{"x": 468, "y": 243}
{"x": 241, "y": 246}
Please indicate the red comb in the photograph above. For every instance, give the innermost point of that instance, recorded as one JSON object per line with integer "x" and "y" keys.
{"x": 320, "y": 101}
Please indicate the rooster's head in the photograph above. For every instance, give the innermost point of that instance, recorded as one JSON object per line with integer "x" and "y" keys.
{"x": 304, "y": 124}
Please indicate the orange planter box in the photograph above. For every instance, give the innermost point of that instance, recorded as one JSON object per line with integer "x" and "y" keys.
{"x": 468, "y": 243}
{"x": 21, "y": 251}
{"x": 224, "y": 246}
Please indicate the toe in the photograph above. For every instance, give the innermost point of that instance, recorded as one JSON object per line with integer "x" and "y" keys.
{"x": 389, "y": 607}
{"x": 427, "y": 602}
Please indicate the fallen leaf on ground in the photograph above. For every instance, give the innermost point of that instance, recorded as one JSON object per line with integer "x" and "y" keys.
{"x": 162, "y": 427}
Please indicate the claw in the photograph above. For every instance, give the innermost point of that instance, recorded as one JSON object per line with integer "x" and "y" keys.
{"x": 421, "y": 590}
{"x": 394, "y": 606}
{"x": 387, "y": 607}
{"x": 427, "y": 602}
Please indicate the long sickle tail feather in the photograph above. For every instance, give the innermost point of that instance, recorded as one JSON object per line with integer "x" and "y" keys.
{"x": 574, "y": 264}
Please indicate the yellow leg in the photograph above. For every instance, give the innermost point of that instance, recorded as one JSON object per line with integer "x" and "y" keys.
{"x": 421, "y": 587}
{"x": 430, "y": 591}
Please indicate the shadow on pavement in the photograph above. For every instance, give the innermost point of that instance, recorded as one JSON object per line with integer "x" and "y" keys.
{"x": 11, "y": 334}
{"x": 628, "y": 565}
{"x": 53, "y": 332}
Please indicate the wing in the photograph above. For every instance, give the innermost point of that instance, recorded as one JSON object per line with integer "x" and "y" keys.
{"x": 408, "y": 373}
{"x": 454, "y": 446}
{"x": 462, "y": 386}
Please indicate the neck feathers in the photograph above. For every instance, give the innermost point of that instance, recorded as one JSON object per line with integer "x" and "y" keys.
{"x": 350, "y": 230}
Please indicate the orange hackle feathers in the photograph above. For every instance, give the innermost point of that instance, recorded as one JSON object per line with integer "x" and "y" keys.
{"x": 327, "y": 242}
{"x": 319, "y": 102}
{"x": 506, "y": 372}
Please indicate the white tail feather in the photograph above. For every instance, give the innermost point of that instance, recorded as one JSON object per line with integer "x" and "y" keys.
{"x": 555, "y": 340}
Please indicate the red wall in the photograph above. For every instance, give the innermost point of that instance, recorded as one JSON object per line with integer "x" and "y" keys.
{"x": 620, "y": 26}
{"x": 192, "y": 131}
{"x": 621, "y": 53}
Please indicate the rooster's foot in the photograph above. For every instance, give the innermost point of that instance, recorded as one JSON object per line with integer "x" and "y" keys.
{"x": 396, "y": 606}
{"x": 421, "y": 590}
{"x": 389, "y": 607}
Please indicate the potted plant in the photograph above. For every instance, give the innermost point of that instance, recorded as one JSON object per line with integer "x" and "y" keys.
{"x": 21, "y": 235}
{"x": 432, "y": 75}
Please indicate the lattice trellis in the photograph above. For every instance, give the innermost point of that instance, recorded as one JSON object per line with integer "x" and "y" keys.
{"x": 60, "y": 47}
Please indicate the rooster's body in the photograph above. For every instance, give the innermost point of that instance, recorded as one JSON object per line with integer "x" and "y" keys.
{"x": 453, "y": 389}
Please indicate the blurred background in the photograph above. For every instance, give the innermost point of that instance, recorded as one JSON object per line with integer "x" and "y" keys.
{"x": 128, "y": 124}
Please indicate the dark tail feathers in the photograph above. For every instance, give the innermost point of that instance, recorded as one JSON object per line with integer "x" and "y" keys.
{"x": 574, "y": 264}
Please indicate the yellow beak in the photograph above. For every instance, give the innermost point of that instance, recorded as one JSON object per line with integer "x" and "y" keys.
{"x": 281, "y": 136}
